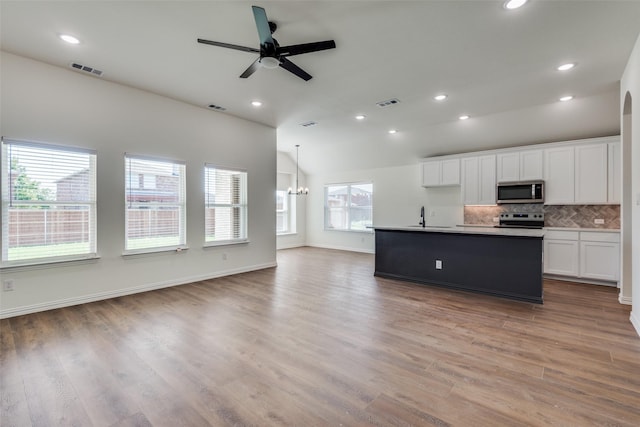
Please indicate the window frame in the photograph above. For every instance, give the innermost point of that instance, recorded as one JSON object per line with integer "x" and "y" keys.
{"x": 243, "y": 205}
{"x": 181, "y": 204}
{"x": 348, "y": 209}
{"x": 90, "y": 205}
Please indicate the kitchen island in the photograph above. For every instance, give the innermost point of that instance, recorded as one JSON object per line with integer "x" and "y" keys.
{"x": 504, "y": 262}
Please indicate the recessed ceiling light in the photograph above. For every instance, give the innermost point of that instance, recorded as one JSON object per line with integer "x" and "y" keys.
{"x": 464, "y": 117}
{"x": 514, "y": 4}
{"x": 566, "y": 67}
{"x": 392, "y": 131}
{"x": 361, "y": 117}
{"x": 440, "y": 97}
{"x": 256, "y": 103}
{"x": 69, "y": 39}
{"x": 566, "y": 98}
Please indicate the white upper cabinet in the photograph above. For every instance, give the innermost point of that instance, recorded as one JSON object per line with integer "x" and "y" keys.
{"x": 479, "y": 180}
{"x": 531, "y": 165}
{"x": 584, "y": 172}
{"x": 431, "y": 173}
{"x": 614, "y": 173}
{"x": 438, "y": 173}
{"x": 591, "y": 185}
{"x": 508, "y": 167}
{"x": 559, "y": 176}
{"x": 520, "y": 166}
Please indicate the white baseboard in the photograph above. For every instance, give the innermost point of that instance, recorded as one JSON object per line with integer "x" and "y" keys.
{"x": 289, "y": 246}
{"x": 624, "y": 300}
{"x": 67, "y": 302}
{"x": 344, "y": 248}
{"x": 581, "y": 280}
{"x": 635, "y": 321}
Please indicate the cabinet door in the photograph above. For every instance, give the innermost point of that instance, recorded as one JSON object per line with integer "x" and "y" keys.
{"x": 591, "y": 174}
{"x": 470, "y": 188}
{"x": 531, "y": 165}
{"x": 487, "y": 180}
{"x": 508, "y": 167}
{"x": 559, "y": 176}
{"x": 615, "y": 173}
{"x": 450, "y": 172}
{"x": 600, "y": 260}
{"x": 561, "y": 257}
{"x": 431, "y": 173}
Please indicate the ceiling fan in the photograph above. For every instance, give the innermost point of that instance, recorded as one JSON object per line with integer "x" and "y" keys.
{"x": 273, "y": 55}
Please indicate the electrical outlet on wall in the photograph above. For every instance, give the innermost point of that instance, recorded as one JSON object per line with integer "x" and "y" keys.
{"x": 438, "y": 264}
{"x": 7, "y": 285}
{"x": 599, "y": 221}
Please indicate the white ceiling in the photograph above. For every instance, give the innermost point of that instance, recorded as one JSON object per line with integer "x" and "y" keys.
{"x": 498, "y": 66}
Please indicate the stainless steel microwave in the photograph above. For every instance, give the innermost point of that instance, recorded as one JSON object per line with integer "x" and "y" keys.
{"x": 520, "y": 192}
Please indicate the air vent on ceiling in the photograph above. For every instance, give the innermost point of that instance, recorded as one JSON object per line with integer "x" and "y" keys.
{"x": 308, "y": 124}
{"x": 86, "y": 69}
{"x": 217, "y": 107}
{"x": 388, "y": 102}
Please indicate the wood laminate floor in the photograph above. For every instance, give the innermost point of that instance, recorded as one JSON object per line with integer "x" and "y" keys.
{"x": 320, "y": 341}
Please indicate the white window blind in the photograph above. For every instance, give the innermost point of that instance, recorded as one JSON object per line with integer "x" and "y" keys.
{"x": 48, "y": 203}
{"x": 348, "y": 207}
{"x": 226, "y": 208}
{"x": 155, "y": 204}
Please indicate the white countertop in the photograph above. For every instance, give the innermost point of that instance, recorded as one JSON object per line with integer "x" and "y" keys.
{"x": 463, "y": 229}
{"x": 601, "y": 230}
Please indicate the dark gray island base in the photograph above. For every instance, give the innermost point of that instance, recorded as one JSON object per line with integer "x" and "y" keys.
{"x": 505, "y": 263}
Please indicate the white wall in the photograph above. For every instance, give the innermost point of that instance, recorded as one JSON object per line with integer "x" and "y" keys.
{"x": 631, "y": 83}
{"x": 45, "y": 103}
{"x": 397, "y": 198}
{"x": 287, "y": 165}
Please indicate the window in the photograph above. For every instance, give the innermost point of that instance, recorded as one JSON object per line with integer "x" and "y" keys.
{"x": 225, "y": 205}
{"x": 156, "y": 204}
{"x": 282, "y": 212}
{"x": 285, "y": 205}
{"x": 348, "y": 207}
{"x": 48, "y": 203}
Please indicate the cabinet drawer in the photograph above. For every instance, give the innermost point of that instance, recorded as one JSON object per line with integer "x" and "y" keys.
{"x": 561, "y": 235}
{"x": 595, "y": 236}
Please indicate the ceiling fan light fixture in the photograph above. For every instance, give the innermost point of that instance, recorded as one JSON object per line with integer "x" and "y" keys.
{"x": 514, "y": 4}
{"x": 269, "y": 62}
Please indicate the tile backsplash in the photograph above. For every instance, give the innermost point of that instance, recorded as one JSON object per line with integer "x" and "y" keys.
{"x": 570, "y": 216}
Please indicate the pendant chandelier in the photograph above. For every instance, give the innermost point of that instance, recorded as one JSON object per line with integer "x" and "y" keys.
{"x": 299, "y": 190}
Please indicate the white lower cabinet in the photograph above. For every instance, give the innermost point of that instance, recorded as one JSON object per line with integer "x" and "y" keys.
{"x": 582, "y": 254}
{"x": 600, "y": 256}
{"x": 561, "y": 250}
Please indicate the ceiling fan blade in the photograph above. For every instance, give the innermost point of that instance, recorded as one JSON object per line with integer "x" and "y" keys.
{"x": 229, "y": 46}
{"x": 293, "y": 68}
{"x": 298, "y": 49}
{"x": 252, "y": 69}
{"x": 262, "y": 23}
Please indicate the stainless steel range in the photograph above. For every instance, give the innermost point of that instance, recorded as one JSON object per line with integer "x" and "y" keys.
{"x": 521, "y": 220}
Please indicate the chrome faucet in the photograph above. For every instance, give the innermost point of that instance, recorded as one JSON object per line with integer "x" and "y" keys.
{"x": 423, "y": 223}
